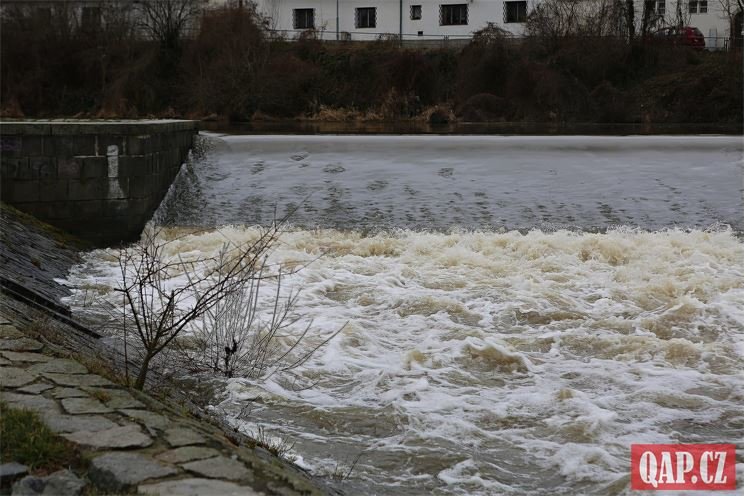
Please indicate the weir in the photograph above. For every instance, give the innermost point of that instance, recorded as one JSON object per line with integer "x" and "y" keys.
{"x": 100, "y": 180}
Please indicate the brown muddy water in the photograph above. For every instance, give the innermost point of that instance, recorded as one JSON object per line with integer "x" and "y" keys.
{"x": 517, "y": 310}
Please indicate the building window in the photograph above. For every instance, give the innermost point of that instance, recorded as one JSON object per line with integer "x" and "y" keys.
{"x": 698, "y": 6}
{"x": 416, "y": 12}
{"x": 515, "y": 11}
{"x": 90, "y": 18}
{"x": 304, "y": 18}
{"x": 454, "y": 15}
{"x": 365, "y": 17}
{"x": 654, "y": 8}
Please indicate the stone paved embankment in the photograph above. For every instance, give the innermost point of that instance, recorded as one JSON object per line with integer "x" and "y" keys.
{"x": 133, "y": 442}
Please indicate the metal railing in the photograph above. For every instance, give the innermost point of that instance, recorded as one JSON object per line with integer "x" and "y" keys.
{"x": 431, "y": 40}
{"x": 419, "y": 39}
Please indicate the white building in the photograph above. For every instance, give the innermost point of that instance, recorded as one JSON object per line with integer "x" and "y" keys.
{"x": 372, "y": 19}
{"x": 454, "y": 19}
{"x": 412, "y": 20}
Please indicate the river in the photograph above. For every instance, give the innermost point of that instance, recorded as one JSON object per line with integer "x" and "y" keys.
{"x": 516, "y": 311}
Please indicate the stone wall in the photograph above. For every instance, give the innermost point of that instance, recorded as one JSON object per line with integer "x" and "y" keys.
{"x": 98, "y": 180}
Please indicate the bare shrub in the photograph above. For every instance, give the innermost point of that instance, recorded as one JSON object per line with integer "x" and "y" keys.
{"x": 222, "y": 64}
{"x": 733, "y": 12}
{"x": 609, "y": 103}
{"x": 166, "y": 21}
{"x": 554, "y": 20}
{"x": 343, "y": 471}
{"x": 491, "y": 35}
{"x": 53, "y": 64}
{"x": 232, "y": 69}
{"x": 409, "y": 73}
{"x": 397, "y": 105}
{"x": 32, "y": 41}
{"x": 234, "y": 339}
{"x": 486, "y": 63}
{"x": 328, "y": 114}
{"x": 205, "y": 314}
{"x": 287, "y": 85}
{"x": 679, "y": 15}
{"x": 485, "y": 107}
{"x": 159, "y": 310}
{"x": 437, "y": 114}
{"x": 278, "y": 446}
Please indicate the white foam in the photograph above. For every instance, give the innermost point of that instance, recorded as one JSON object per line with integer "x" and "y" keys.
{"x": 560, "y": 349}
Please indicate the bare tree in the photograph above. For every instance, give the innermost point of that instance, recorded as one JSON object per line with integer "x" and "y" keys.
{"x": 224, "y": 62}
{"x": 167, "y": 20}
{"x": 556, "y": 19}
{"x": 491, "y": 34}
{"x": 233, "y": 338}
{"x": 117, "y": 18}
{"x": 272, "y": 16}
{"x": 732, "y": 10}
{"x": 679, "y": 16}
{"x": 159, "y": 309}
{"x": 627, "y": 19}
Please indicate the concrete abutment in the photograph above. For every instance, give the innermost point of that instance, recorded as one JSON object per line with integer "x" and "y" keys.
{"x": 98, "y": 180}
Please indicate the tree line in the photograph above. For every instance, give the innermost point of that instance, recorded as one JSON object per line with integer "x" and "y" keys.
{"x": 580, "y": 61}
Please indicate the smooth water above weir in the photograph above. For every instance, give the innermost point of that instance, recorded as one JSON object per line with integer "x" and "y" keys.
{"x": 311, "y": 127}
{"x": 467, "y": 182}
{"x": 517, "y": 311}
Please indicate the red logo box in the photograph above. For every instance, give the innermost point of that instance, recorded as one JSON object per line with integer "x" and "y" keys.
{"x": 666, "y": 467}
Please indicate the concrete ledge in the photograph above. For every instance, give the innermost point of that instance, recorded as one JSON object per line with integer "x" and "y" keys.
{"x": 99, "y": 126}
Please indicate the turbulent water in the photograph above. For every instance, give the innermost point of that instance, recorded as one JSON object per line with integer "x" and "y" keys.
{"x": 516, "y": 311}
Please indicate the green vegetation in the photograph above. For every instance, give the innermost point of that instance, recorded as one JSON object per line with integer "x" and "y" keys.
{"x": 25, "y": 439}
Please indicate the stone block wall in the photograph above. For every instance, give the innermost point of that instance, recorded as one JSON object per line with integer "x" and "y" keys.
{"x": 98, "y": 180}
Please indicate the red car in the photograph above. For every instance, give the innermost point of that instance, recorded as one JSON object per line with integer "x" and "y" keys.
{"x": 683, "y": 36}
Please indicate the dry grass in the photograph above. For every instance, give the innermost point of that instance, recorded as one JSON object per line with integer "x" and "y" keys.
{"x": 278, "y": 446}
{"x": 101, "y": 368}
{"x": 440, "y": 110}
{"x": 330, "y": 114}
{"x": 343, "y": 471}
{"x": 341, "y": 114}
{"x": 101, "y": 395}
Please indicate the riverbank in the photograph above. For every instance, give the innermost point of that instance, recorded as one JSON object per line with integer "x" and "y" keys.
{"x": 230, "y": 70}
{"x": 122, "y": 440}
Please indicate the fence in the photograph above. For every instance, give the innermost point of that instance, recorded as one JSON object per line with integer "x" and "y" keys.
{"x": 409, "y": 40}
{"x": 421, "y": 40}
